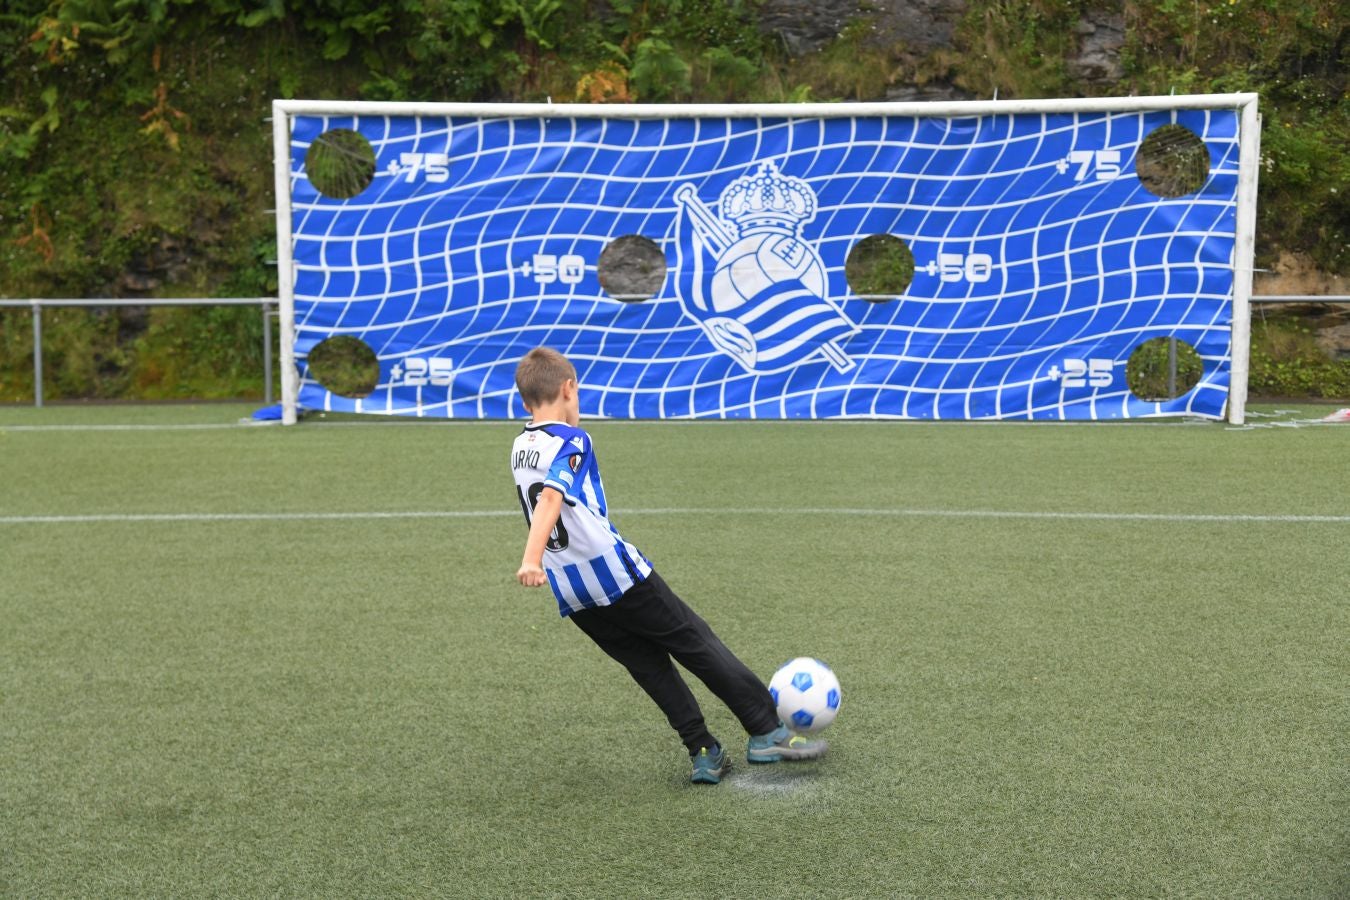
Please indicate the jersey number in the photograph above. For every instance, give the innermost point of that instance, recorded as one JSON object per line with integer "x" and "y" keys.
{"x": 558, "y": 539}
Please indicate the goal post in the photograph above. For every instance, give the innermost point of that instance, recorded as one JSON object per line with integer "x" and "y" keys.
{"x": 1244, "y": 254}
{"x": 290, "y": 376}
{"x": 722, "y": 260}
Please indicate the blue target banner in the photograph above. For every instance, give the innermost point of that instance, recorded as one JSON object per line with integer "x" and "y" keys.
{"x": 1041, "y": 263}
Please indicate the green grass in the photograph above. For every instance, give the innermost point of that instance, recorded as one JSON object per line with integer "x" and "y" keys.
{"x": 1033, "y": 706}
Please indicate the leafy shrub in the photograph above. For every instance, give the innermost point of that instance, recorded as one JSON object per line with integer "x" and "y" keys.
{"x": 1150, "y": 373}
{"x": 1287, "y": 362}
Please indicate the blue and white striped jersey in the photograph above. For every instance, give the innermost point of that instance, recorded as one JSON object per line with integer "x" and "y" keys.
{"x": 587, "y": 561}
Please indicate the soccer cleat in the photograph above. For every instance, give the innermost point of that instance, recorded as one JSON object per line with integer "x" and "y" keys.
{"x": 709, "y": 765}
{"x": 782, "y": 744}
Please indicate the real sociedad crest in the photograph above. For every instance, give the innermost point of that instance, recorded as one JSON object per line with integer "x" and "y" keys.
{"x": 746, "y": 276}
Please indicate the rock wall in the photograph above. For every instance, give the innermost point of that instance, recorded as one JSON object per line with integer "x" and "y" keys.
{"x": 804, "y": 26}
{"x": 914, "y": 29}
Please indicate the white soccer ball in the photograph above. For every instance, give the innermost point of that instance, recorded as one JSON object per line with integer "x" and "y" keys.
{"x": 806, "y": 692}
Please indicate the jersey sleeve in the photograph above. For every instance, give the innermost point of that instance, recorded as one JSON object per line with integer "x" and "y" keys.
{"x": 570, "y": 460}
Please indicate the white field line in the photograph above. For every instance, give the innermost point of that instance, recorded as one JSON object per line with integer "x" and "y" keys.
{"x": 677, "y": 511}
{"x": 409, "y": 422}
{"x": 198, "y": 427}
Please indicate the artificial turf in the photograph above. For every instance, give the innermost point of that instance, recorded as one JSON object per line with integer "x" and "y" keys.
{"x": 1077, "y": 660}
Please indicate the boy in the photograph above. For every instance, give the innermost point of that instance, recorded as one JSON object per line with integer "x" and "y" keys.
{"x": 609, "y": 589}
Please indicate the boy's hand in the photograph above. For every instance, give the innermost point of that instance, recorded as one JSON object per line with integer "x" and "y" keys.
{"x": 531, "y": 576}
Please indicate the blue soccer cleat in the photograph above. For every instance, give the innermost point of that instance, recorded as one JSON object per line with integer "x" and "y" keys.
{"x": 709, "y": 765}
{"x": 781, "y": 744}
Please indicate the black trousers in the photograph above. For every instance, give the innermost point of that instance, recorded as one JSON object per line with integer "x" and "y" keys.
{"x": 647, "y": 628}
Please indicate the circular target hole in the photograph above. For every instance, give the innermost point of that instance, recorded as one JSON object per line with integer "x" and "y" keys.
{"x": 340, "y": 163}
{"x": 632, "y": 268}
{"x": 1172, "y": 161}
{"x": 1163, "y": 369}
{"x": 879, "y": 267}
{"x": 344, "y": 365}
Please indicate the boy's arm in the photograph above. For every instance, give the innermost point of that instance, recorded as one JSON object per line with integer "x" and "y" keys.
{"x": 546, "y": 511}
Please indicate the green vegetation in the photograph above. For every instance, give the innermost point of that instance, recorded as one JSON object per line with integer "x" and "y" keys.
{"x": 879, "y": 267}
{"x": 319, "y": 704}
{"x": 135, "y": 159}
{"x": 340, "y": 163}
{"x": 1160, "y": 369}
{"x": 345, "y": 366}
{"x": 1173, "y": 162}
{"x": 1287, "y": 362}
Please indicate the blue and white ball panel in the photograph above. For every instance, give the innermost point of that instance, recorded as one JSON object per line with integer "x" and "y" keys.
{"x": 806, "y": 693}
{"x": 1042, "y": 263}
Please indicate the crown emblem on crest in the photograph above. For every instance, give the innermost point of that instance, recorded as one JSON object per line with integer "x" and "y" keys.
{"x": 768, "y": 201}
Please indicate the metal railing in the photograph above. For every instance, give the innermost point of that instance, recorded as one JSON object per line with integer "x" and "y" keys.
{"x": 1301, "y": 298}
{"x": 269, "y": 304}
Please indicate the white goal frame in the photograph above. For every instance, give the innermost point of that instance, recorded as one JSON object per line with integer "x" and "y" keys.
{"x": 1249, "y": 149}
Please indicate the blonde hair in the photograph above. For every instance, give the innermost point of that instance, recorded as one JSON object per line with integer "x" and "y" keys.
{"x": 540, "y": 376}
